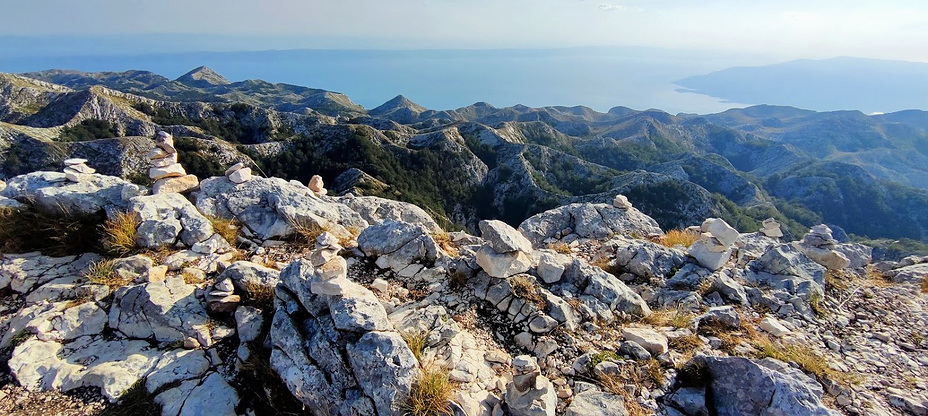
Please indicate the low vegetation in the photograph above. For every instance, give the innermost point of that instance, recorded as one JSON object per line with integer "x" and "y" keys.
{"x": 560, "y": 247}
{"x": 674, "y": 317}
{"x": 416, "y": 341}
{"x": 430, "y": 394}
{"x": 119, "y": 233}
{"x": 54, "y": 234}
{"x": 259, "y": 295}
{"x": 807, "y": 359}
{"x": 89, "y": 129}
{"x": 306, "y": 231}
{"x": 103, "y": 272}
{"x": 524, "y": 287}
{"x": 443, "y": 239}
{"x": 228, "y": 229}
{"x": 634, "y": 378}
{"x": 674, "y": 238}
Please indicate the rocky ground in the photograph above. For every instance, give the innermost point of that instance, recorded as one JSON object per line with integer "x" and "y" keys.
{"x": 271, "y": 297}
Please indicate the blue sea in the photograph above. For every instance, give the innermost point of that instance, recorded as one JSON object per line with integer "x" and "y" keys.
{"x": 597, "y": 77}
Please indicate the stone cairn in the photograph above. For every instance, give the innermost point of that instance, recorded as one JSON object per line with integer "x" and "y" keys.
{"x": 238, "y": 173}
{"x": 169, "y": 176}
{"x": 621, "y": 202}
{"x": 714, "y": 247}
{"x": 529, "y": 392}
{"x": 317, "y": 186}
{"x": 771, "y": 228}
{"x": 506, "y": 253}
{"x": 221, "y": 298}
{"x": 819, "y": 245}
{"x": 75, "y": 169}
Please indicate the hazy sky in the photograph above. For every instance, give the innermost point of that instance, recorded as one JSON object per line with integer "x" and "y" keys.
{"x": 895, "y": 29}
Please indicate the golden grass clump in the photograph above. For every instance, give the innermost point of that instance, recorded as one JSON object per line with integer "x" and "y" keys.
{"x": 430, "y": 394}
{"x": 443, "y": 239}
{"x": 524, "y": 287}
{"x": 306, "y": 231}
{"x": 807, "y": 359}
{"x": 260, "y": 296}
{"x": 228, "y": 229}
{"x": 685, "y": 344}
{"x": 192, "y": 278}
{"x": 103, "y": 272}
{"x": 925, "y": 285}
{"x": 560, "y": 247}
{"x": 119, "y": 233}
{"x": 616, "y": 385}
{"x": 673, "y": 317}
{"x": 678, "y": 237}
{"x": 416, "y": 341}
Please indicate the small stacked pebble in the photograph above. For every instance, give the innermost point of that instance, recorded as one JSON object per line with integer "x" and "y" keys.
{"x": 714, "y": 247}
{"x": 221, "y": 298}
{"x": 529, "y": 392}
{"x": 327, "y": 248}
{"x": 771, "y": 228}
{"x": 169, "y": 176}
{"x": 317, "y": 186}
{"x": 819, "y": 245}
{"x": 75, "y": 169}
{"x": 621, "y": 202}
{"x": 238, "y": 173}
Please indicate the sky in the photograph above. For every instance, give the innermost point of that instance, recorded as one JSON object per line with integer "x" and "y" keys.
{"x": 786, "y": 29}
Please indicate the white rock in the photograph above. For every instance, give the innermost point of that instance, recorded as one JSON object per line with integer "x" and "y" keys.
{"x": 240, "y": 176}
{"x": 503, "y": 265}
{"x": 651, "y": 340}
{"x": 773, "y": 327}
{"x": 380, "y": 285}
{"x": 235, "y": 167}
{"x": 165, "y": 161}
{"x": 74, "y": 161}
{"x": 167, "y": 171}
{"x": 726, "y": 234}
{"x": 551, "y": 266}
{"x": 176, "y": 184}
{"x": 316, "y": 185}
{"x": 706, "y": 257}
{"x": 157, "y": 153}
{"x": 621, "y": 202}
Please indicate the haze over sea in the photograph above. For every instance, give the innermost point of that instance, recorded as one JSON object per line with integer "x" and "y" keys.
{"x": 598, "y": 77}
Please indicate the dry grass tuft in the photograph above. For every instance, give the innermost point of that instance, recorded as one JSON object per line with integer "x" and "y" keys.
{"x": 306, "y": 231}
{"x": 103, "y": 272}
{"x": 678, "y": 237}
{"x": 807, "y": 359}
{"x": 560, "y": 247}
{"x": 229, "y": 229}
{"x": 925, "y": 285}
{"x": 119, "y": 233}
{"x": 875, "y": 278}
{"x": 685, "y": 344}
{"x": 616, "y": 385}
{"x": 443, "y": 239}
{"x": 55, "y": 234}
{"x": 675, "y": 317}
{"x": 836, "y": 280}
{"x": 416, "y": 342}
{"x": 192, "y": 278}
{"x": 817, "y": 303}
{"x": 260, "y": 296}
{"x": 430, "y": 395}
{"x": 525, "y": 287}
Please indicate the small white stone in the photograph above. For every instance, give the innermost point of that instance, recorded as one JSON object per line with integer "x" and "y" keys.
{"x": 174, "y": 170}
{"x": 380, "y": 285}
{"x": 621, "y": 202}
{"x": 240, "y": 176}
{"x": 234, "y": 168}
{"x": 74, "y": 161}
{"x": 168, "y": 160}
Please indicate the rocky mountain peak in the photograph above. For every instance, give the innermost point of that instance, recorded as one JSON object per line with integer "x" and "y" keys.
{"x": 399, "y": 102}
{"x": 202, "y": 77}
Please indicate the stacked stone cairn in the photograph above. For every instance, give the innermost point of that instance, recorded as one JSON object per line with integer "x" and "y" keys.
{"x": 238, "y": 173}
{"x": 221, "y": 298}
{"x": 507, "y": 252}
{"x": 529, "y": 392}
{"x": 819, "y": 245}
{"x": 621, "y": 202}
{"x": 317, "y": 186}
{"x": 75, "y": 169}
{"x": 169, "y": 176}
{"x": 771, "y": 228}
{"x": 714, "y": 247}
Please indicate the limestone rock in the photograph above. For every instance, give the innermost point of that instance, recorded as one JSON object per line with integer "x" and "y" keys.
{"x": 165, "y": 217}
{"x": 503, "y": 238}
{"x": 771, "y": 228}
{"x": 588, "y": 221}
{"x": 235, "y": 167}
{"x": 502, "y": 265}
{"x": 398, "y": 245}
{"x": 741, "y": 386}
{"x": 385, "y": 369}
{"x": 377, "y": 210}
{"x": 175, "y": 170}
{"x": 178, "y": 184}
{"x": 596, "y": 403}
{"x": 268, "y": 207}
{"x": 621, "y": 202}
{"x": 166, "y": 311}
{"x": 245, "y": 275}
{"x": 240, "y": 176}
{"x": 726, "y": 234}
{"x": 50, "y": 192}
{"x": 706, "y": 253}
{"x": 651, "y": 340}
